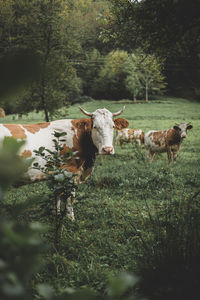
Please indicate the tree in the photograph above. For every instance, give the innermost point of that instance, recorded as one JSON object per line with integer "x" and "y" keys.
{"x": 110, "y": 82}
{"x": 144, "y": 73}
{"x": 57, "y": 74}
{"x": 89, "y": 71}
{"x": 133, "y": 83}
{"x": 42, "y": 26}
{"x": 150, "y": 76}
{"x": 168, "y": 28}
{"x": 84, "y": 20}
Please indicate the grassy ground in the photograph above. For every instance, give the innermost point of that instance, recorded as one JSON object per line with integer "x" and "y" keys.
{"x": 112, "y": 208}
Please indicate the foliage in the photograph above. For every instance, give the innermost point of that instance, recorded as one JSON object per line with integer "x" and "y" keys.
{"x": 168, "y": 251}
{"x": 59, "y": 181}
{"x": 20, "y": 244}
{"x": 133, "y": 85}
{"x": 144, "y": 71}
{"x": 42, "y": 27}
{"x": 90, "y": 71}
{"x": 11, "y": 164}
{"x": 110, "y": 81}
{"x": 160, "y": 27}
{"x": 133, "y": 82}
{"x": 63, "y": 37}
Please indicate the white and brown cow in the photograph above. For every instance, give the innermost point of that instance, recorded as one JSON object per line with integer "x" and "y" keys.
{"x": 165, "y": 141}
{"x": 86, "y": 136}
{"x": 129, "y": 135}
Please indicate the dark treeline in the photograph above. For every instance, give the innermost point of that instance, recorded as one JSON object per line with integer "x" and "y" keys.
{"x": 168, "y": 28}
{"x": 65, "y": 51}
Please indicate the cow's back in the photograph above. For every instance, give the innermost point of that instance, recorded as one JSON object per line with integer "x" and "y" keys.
{"x": 155, "y": 140}
{"x": 36, "y": 136}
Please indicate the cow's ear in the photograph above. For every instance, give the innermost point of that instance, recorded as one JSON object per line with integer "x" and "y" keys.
{"x": 121, "y": 123}
{"x": 176, "y": 127}
{"x": 85, "y": 124}
{"x": 88, "y": 124}
{"x": 189, "y": 127}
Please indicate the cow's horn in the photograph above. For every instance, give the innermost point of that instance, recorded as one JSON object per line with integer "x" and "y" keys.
{"x": 119, "y": 112}
{"x": 85, "y": 112}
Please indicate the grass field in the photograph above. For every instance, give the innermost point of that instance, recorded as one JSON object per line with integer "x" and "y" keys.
{"x": 113, "y": 208}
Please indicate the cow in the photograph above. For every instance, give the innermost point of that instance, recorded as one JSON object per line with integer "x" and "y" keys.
{"x": 87, "y": 137}
{"x": 165, "y": 141}
{"x": 128, "y": 135}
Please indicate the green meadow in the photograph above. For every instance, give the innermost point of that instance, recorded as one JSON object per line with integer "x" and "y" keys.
{"x": 117, "y": 208}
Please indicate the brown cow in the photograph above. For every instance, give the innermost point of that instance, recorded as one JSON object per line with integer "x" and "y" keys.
{"x": 165, "y": 141}
{"x": 129, "y": 135}
{"x": 86, "y": 136}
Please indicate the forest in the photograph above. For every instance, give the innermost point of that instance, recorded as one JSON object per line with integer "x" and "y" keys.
{"x": 62, "y": 52}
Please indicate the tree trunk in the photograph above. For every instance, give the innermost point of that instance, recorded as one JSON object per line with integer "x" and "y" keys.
{"x": 147, "y": 96}
{"x": 134, "y": 99}
{"x": 44, "y": 102}
{"x": 46, "y": 114}
{"x": 43, "y": 76}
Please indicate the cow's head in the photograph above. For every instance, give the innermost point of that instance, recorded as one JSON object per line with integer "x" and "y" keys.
{"x": 182, "y": 129}
{"x": 102, "y": 128}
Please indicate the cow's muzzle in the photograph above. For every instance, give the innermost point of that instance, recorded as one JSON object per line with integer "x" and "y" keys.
{"x": 107, "y": 150}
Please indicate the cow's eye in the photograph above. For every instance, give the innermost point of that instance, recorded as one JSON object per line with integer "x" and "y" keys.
{"x": 94, "y": 127}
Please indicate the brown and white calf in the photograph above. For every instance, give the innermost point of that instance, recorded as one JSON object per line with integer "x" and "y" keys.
{"x": 129, "y": 135}
{"x": 165, "y": 141}
{"x": 86, "y": 136}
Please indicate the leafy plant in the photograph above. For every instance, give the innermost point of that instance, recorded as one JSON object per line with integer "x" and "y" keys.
{"x": 59, "y": 181}
{"x": 144, "y": 73}
{"x": 20, "y": 244}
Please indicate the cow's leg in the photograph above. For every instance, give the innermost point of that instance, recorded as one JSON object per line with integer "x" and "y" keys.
{"x": 138, "y": 142}
{"x": 117, "y": 141}
{"x": 175, "y": 153}
{"x": 121, "y": 143}
{"x": 150, "y": 155}
{"x": 169, "y": 155}
{"x": 69, "y": 205}
{"x": 86, "y": 173}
